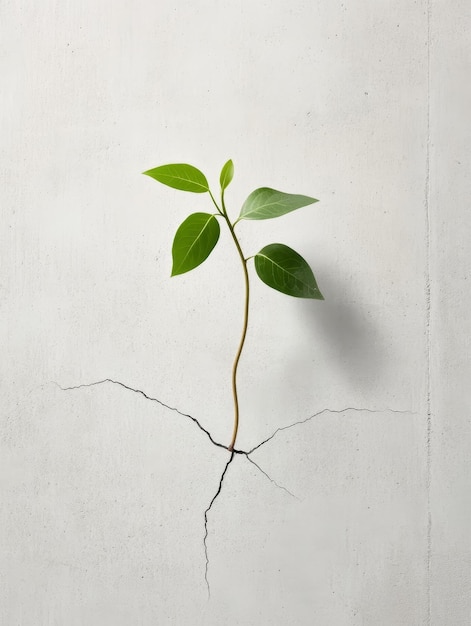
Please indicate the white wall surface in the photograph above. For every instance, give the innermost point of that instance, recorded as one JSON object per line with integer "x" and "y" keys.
{"x": 362, "y": 105}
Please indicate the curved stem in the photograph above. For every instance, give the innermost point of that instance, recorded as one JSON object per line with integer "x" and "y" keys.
{"x": 244, "y": 328}
{"x": 216, "y": 204}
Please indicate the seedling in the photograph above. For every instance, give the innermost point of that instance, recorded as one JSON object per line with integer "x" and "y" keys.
{"x": 277, "y": 265}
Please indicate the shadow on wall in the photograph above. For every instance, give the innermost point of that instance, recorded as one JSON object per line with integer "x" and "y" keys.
{"x": 346, "y": 332}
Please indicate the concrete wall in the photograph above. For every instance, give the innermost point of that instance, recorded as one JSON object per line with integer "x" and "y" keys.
{"x": 361, "y": 514}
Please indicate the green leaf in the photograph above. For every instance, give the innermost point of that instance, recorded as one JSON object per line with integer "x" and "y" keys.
{"x": 285, "y": 270}
{"x": 227, "y": 174}
{"x": 180, "y": 176}
{"x": 265, "y": 203}
{"x": 194, "y": 241}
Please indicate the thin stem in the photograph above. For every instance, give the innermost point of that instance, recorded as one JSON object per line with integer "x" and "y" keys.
{"x": 216, "y": 204}
{"x": 244, "y": 328}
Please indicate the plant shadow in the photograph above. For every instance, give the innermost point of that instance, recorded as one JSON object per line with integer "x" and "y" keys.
{"x": 348, "y": 333}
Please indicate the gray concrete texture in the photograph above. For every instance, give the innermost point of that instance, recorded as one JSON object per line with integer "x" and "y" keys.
{"x": 360, "y": 514}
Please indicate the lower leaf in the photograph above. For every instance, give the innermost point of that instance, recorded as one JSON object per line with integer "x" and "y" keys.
{"x": 283, "y": 269}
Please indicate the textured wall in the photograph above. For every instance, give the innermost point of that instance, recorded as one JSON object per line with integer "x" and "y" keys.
{"x": 358, "y": 516}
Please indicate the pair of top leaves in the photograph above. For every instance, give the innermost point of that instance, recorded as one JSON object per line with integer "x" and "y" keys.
{"x": 277, "y": 265}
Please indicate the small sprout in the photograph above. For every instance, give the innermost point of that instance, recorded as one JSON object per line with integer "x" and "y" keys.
{"x": 277, "y": 265}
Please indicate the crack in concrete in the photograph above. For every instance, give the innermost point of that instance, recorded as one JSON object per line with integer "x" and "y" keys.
{"x": 142, "y": 393}
{"x": 308, "y": 419}
{"x": 221, "y": 480}
{"x": 270, "y": 478}
{"x": 234, "y": 452}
